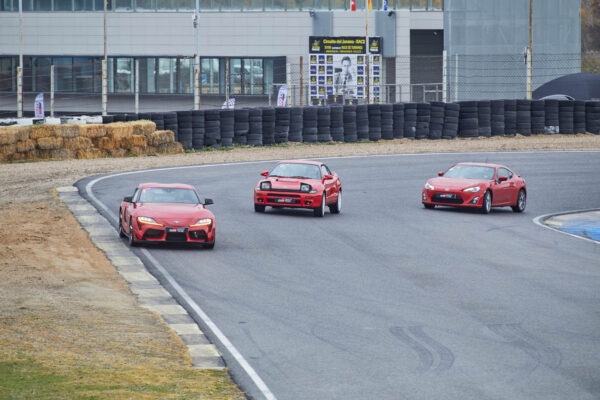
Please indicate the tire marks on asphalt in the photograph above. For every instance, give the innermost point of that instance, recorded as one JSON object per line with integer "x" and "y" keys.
{"x": 426, "y": 349}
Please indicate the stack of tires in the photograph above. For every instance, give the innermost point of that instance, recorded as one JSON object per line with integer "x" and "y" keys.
{"x": 227, "y": 127}
{"x": 184, "y": 127}
{"x": 295, "y": 134}
{"x": 484, "y": 118}
{"x": 398, "y": 120}
{"x": 565, "y": 117}
{"x": 145, "y": 116}
{"x": 387, "y": 121}
{"x": 309, "y": 125}
{"x": 551, "y": 123}
{"x": 524, "y": 117}
{"x": 131, "y": 117}
{"x": 579, "y": 116}
{"x": 510, "y": 117}
{"x": 212, "y": 128}
{"x": 107, "y": 119}
{"x": 423, "y": 118}
{"x": 362, "y": 122}
{"x": 374, "y": 112}
{"x": 337, "y": 123}
{"x": 538, "y": 117}
{"x": 268, "y": 126}
{"x": 592, "y": 117}
{"x": 436, "y": 123}
{"x": 197, "y": 129}
{"x": 323, "y": 124}
{"x": 349, "y": 117}
{"x": 410, "y": 120}
{"x": 241, "y": 125}
{"x": 159, "y": 120}
{"x": 497, "y": 119}
{"x": 451, "y": 115}
{"x": 119, "y": 117}
{"x": 282, "y": 124}
{"x": 170, "y": 119}
{"x": 468, "y": 121}
{"x": 255, "y": 136}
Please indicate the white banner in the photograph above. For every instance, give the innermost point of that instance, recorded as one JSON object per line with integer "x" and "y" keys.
{"x": 39, "y": 105}
{"x": 230, "y": 105}
{"x": 282, "y": 96}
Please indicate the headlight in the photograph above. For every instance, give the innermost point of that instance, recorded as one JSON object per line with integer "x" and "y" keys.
{"x": 147, "y": 220}
{"x": 473, "y": 189}
{"x": 428, "y": 186}
{"x": 265, "y": 185}
{"x": 203, "y": 222}
{"x": 305, "y": 187}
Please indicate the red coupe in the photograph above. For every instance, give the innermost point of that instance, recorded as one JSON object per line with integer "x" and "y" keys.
{"x": 476, "y": 185}
{"x": 159, "y": 212}
{"x": 299, "y": 184}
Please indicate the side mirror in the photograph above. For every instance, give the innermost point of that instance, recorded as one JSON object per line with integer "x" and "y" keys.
{"x": 502, "y": 178}
{"x": 265, "y": 173}
{"x": 127, "y": 199}
{"x": 440, "y": 173}
{"x": 208, "y": 202}
{"x": 327, "y": 177}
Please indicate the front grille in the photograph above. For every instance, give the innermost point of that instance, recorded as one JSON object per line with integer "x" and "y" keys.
{"x": 176, "y": 237}
{"x": 438, "y": 199}
{"x": 284, "y": 190}
{"x": 198, "y": 235}
{"x": 153, "y": 234}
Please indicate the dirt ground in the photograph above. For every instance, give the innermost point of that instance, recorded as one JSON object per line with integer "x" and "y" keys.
{"x": 63, "y": 305}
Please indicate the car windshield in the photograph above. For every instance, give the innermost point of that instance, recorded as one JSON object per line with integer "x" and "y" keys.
{"x": 296, "y": 170}
{"x": 470, "y": 172}
{"x": 168, "y": 195}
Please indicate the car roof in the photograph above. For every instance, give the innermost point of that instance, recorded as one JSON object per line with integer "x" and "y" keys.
{"x": 165, "y": 185}
{"x": 301, "y": 162}
{"x": 483, "y": 165}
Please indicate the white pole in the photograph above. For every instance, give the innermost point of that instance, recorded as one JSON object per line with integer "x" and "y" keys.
{"x": 367, "y": 53}
{"x": 137, "y": 86}
{"x": 20, "y": 69}
{"x": 52, "y": 90}
{"x": 456, "y": 77}
{"x": 197, "y": 58}
{"x": 445, "y": 76}
{"x": 288, "y": 77}
{"x": 105, "y": 71}
{"x": 529, "y": 53}
{"x": 227, "y": 82}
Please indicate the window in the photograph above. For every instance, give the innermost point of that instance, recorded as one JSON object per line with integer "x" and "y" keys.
{"x": 166, "y": 75}
{"x": 235, "y": 76}
{"x": 63, "y": 5}
{"x": 6, "y": 5}
{"x": 504, "y": 172}
{"x": 83, "y": 74}
{"x": 253, "y": 76}
{"x": 41, "y": 5}
{"x": 99, "y": 5}
{"x": 84, "y": 5}
{"x": 123, "y": 75}
{"x": 325, "y": 170}
{"x": 123, "y": 5}
{"x": 145, "y": 4}
{"x": 41, "y": 74}
{"x": 8, "y": 68}
{"x": 209, "y": 75}
{"x": 147, "y": 75}
{"x": 185, "y": 76}
{"x": 63, "y": 74}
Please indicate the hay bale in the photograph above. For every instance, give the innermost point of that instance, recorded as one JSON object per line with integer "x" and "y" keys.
{"x": 107, "y": 143}
{"x": 23, "y": 156}
{"x": 151, "y": 150}
{"x": 138, "y": 151}
{"x": 7, "y": 149}
{"x": 77, "y": 143}
{"x": 24, "y": 146}
{"x": 161, "y": 137}
{"x": 143, "y": 127}
{"x": 134, "y": 141}
{"x": 92, "y": 152}
{"x": 49, "y": 143}
{"x": 117, "y": 153}
{"x": 92, "y": 130}
{"x": 55, "y": 154}
{"x": 13, "y": 134}
{"x": 67, "y": 131}
{"x": 42, "y": 131}
{"x": 119, "y": 130}
{"x": 170, "y": 148}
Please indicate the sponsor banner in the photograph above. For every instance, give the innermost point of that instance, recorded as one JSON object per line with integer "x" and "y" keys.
{"x": 282, "y": 96}
{"x": 39, "y": 106}
{"x": 343, "y": 45}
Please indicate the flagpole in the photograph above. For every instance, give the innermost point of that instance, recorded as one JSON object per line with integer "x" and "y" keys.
{"x": 367, "y": 48}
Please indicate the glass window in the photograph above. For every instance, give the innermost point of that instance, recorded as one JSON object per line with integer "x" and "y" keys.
{"x": 41, "y": 74}
{"x": 6, "y": 5}
{"x": 268, "y": 75}
{"x": 222, "y": 4}
{"x": 419, "y": 4}
{"x": 123, "y": 5}
{"x": 166, "y": 75}
{"x": 8, "y": 72}
{"x": 99, "y": 5}
{"x": 209, "y": 75}
{"x": 27, "y": 5}
{"x": 504, "y": 172}
{"x": 321, "y": 5}
{"x": 84, "y": 5}
{"x": 254, "y": 77}
{"x": 166, "y": 4}
{"x": 184, "y": 4}
{"x": 41, "y": 5}
{"x": 205, "y": 4}
{"x": 63, "y": 5}
{"x": 436, "y": 5}
{"x": 185, "y": 76}
{"x": 124, "y": 75}
{"x": 97, "y": 75}
{"x": 83, "y": 74}
{"x": 145, "y": 4}
{"x": 63, "y": 74}
{"x": 251, "y": 4}
{"x": 235, "y": 76}
{"x": 147, "y": 75}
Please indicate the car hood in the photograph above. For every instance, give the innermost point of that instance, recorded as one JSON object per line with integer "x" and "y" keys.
{"x": 291, "y": 183}
{"x": 442, "y": 183}
{"x": 168, "y": 213}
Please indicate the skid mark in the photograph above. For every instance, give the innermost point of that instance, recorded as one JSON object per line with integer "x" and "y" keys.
{"x": 446, "y": 356}
{"x": 425, "y": 356}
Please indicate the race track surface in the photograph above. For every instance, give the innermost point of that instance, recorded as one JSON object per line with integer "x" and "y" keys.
{"x": 388, "y": 300}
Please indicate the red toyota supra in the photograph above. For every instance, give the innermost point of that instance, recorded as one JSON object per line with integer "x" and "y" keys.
{"x": 476, "y": 185}
{"x": 299, "y": 184}
{"x": 159, "y": 212}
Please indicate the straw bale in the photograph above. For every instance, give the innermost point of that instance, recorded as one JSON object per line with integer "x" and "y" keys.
{"x": 92, "y": 152}
{"x": 67, "y": 130}
{"x": 92, "y": 130}
{"x": 25, "y": 145}
{"x": 134, "y": 141}
{"x": 7, "y": 136}
{"x": 49, "y": 143}
{"x": 23, "y": 156}
{"x": 107, "y": 143}
{"x": 170, "y": 148}
{"x": 119, "y": 130}
{"x": 55, "y": 154}
{"x": 143, "y": 127}
{"x": 161, "y": 137}
{"x": 77, "y": 143}
{"x": 42, "y": 131}
{"x": 7, "y": 149}
{"x": 137, "y": 150}
{"x": 117, "y": 153}
{"x": 151, "y": 150}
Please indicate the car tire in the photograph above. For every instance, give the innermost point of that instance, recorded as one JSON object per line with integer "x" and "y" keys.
{"x": 486, "y": 203}
{"x": 259, "y": 208}
{"x": 337, "y": 207}
{"x": 122, "y": 233}
{"x": 131, "y": 237}
{"x": 521, "y": 202}
{"x": 429, "y": 206}
{"x": 320, "y": 211}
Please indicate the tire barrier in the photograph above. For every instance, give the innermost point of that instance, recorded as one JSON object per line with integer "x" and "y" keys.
{"x": 268, "y": 122}
{"x": 410, "y": 120}
{"x": 323, "y": 124}
{"x": 282, "y": 124}
{"x": 145, "y": 116}
{"x": 227, "y": 127}
{"x": 497, "y": 117}
{"x": 524, "y": 117}
{"x": 551, "y": 116}
{"x": 184, "y": 128}
{"x": 170, "y": 119}
{"x": 484, "y": 118}
{"x": 387, "y": 121}
{"x": 510, "y": 117}
{"x": 451, "y": 115}
{"x": 337, "y": 123}
{"x": 436, "y": 122}
{"x": 565, "y": 117}
{"x": 579, "y": 116}
{"x": 398, "y": 120}
{"x": 198, "y": 129}
{"x": 592, "y": 117}
{"x": 255, "y": 132}
{"x": 468, "y": 121}
{"x": 362, "y": 122}
{"x": 107, "y": 119}
{"x": 131, "y": 117}
{"x": 241, "y": 125}
{"x": 423, "y": 118}
{"x": 159, "y": 119}
{"x": 212, "y": 128}
{"x": 119, "y": 117}
{"x": 309, "y": 124}
{"x": 374, "y": 112}
{"x": 538, "y": 117}
{"x": 349, "y": 118}
{"x": 295, "y": 134}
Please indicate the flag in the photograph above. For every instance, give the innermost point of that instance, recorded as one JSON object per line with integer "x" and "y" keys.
{"x": 39, "y": 105}
{"x": 352, "y": 5}
{"x": 282, "y": 96}
{"x": 384, "y": 5}
{"x": 230, "y": 105}
{"x": 370, "y": 5}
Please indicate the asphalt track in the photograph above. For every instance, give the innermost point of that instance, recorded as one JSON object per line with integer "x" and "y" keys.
{"x": 388, "y": 300}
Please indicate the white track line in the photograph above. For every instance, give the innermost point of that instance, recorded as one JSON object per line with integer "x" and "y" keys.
{"x": 540, "y": 221}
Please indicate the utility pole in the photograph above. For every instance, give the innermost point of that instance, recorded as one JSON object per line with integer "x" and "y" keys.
{"x": 105, "y": 71}
{"x": 197, "y": 59}
{"x": 530, "y": 53}
{"x": 368, "y": 54}
{"x": 20, "y": 69}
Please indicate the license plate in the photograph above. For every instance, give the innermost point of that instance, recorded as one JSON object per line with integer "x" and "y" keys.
{"x": 284, "y": 200}
{"x": 179, "y": 230}
{"x": 447, "y": 195}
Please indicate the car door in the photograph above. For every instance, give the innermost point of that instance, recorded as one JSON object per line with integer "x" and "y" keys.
{"x": 128, "y": 211}
{"x": 504, "y": 190}
{"x": 330, "y": 184}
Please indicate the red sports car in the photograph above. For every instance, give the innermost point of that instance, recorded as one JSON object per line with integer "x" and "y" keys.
{"x": 476, "y": 185}
{"x": 299, "y": 184}
{"x": 159, "y": 212}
